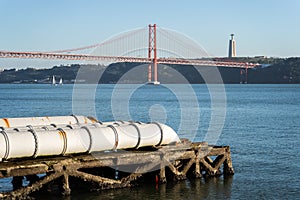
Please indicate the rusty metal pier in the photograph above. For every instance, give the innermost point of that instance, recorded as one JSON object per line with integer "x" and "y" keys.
{"x": 107, "y": 170}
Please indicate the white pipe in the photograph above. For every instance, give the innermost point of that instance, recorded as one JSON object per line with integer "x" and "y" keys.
{"x": 83, "y": 139}
{"x": 43, "y": 121}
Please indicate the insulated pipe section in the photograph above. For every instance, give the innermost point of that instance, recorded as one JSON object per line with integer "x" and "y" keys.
{"x": 58, "y": 142}
{"x": 84, "y": 139}
{"x": 43, "y": 121}
{"x": 15, "y": 145}
{"x": 31, "y": 144}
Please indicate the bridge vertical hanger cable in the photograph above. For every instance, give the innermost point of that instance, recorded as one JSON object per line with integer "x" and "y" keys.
{"x": 176, "y": 47}
{"x": 181, "y": 44}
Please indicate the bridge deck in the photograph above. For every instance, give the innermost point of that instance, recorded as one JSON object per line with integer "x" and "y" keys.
{"x": 177, "y": 61}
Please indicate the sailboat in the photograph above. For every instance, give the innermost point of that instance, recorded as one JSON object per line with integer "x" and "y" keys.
{"x": 61, "y": 81}
{"x": 53, "y": 80}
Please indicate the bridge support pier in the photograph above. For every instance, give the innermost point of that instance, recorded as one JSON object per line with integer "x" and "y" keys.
{"x": 149, "y": 73}
{"x": 244, "y": 75}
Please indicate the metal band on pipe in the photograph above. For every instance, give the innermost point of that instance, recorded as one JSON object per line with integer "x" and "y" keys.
{"x": 115, "y": 123}
{"x": 139, "y": 138}
{"x": 91, "y": 139}
{"x": 161, "y": 133}
{"x": 36, "y": 142}
{"x": 70, "y": 127}
{"x": 116, "y": 136}
{"x": 7, "y": 144}
{"x": 77, "y": 121}
{"x": 64, "y": 135}
{"x": 45, "y": 128}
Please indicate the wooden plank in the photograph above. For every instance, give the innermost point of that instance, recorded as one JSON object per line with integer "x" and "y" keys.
{"x": 217, "y": 151}
{"x": 220, "y": 161}
{"x": 24, "y": 192}
{"x": 22, "y": 170}
{"x": 66, "y": 187}
{"x": 188, "y": 166}
{"x": 90, "y": 177}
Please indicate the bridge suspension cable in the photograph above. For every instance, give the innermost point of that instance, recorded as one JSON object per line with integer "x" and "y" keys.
{"x": 112, "y": 40}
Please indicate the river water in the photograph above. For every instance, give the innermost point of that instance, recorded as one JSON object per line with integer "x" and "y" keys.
{"x": 261, "y": 123}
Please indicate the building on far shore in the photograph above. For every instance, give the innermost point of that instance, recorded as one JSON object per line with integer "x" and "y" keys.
{"x": 232, "y": 50}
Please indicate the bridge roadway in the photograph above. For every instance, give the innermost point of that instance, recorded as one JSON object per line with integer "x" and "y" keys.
{"x": 178, "y": 61}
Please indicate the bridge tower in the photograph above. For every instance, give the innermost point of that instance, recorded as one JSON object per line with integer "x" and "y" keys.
{"x": 152, "y": 55}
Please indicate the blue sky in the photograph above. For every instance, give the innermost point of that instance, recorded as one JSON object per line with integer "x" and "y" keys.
{"x": 261, "y": 27}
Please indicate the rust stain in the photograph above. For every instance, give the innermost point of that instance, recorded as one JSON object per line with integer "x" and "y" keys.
{"x": 92, "y": 119}
{"x": 6, "y": 122}
{"x": 61, "y": 134}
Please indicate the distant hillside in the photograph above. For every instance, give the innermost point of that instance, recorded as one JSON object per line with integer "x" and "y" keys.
{"x": 274, "y": 70}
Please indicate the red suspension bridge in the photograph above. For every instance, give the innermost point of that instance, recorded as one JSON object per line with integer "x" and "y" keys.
{"x": 140, "y": 46}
